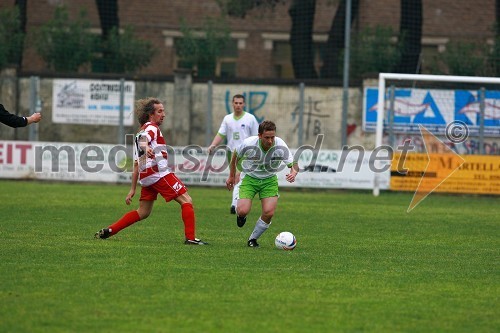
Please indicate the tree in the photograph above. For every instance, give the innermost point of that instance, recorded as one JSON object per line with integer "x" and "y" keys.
{"x": 495, "y": 53}
{"x": 120, "y": 52}
{"x": 302, "y": 14}
{"x": 336, "y": 40}
{"x": 22, "y": 5}
{"x": 202, "y": 51}
{"x": 65, "y": 45}
{"x": 108, "y": 17}
{"x": 301, "y": 42}
{"x": 239, "y": 8}
{"x": 373, "y": 52}
{"x": 465, "y": 58}
{"x": 124, "y": 52}
{"x": 410, "y": 36}
{"x": 11, "y": 37}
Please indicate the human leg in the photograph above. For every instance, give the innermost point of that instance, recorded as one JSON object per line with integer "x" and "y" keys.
{"x": 188, "y": 217}
{"x": 268, "y": 208}
{"x": 234, "y": 202}
{"x": 172, "y": 188}
{"x": 244, "y": 206}
{"x": 242, "y": 212}
{"x": 249, "y": 186}
{"x": 145, "y": 208}
{"x": 264, "y": 221}
{"x": 269, "y": 195}
{"x": 236, "y": 193}
{"x": 187, "y": 214}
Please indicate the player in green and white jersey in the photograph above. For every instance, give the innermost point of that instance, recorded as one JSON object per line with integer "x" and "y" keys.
{"x": 235, "y": 128}
{"x": 260, "y": 158}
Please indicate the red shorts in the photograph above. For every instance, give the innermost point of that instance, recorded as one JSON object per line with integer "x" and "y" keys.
{"x": 170, "y": 187}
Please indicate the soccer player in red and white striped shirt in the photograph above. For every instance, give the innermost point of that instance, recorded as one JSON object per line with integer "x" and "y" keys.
{"x": 154, "y": 175}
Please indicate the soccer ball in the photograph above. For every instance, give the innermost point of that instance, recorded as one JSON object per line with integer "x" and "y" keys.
{"x": 285, "y": 241}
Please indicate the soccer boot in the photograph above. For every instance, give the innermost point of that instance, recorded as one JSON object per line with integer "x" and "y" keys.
{"x": 233, "y": 210}
{"x": 240, "y": 221}
{"x": 195, "y": 241}
{"x": 253, "y": 243}
{"x": 103, "y": 233}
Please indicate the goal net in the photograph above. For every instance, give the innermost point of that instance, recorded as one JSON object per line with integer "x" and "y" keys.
{"x": 461, "y": 111}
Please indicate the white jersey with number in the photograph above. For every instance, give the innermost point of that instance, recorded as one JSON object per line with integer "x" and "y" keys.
{"x": 258, "y": 163}
{"x": 237, "y": 130}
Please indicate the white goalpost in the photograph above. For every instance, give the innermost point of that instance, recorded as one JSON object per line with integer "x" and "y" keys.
{"x": 381, "y": 103}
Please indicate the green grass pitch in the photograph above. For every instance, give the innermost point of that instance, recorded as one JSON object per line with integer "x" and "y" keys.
{"x": 362, "y": 264}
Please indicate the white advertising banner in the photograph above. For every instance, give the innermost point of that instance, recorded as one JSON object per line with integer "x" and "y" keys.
{"x": 330, "y": 169}
{"x": 106, "y": 163}
{"x": 91, "y": 102}
{"x": 338, "y": 169}
{"x": 63, "y": 161}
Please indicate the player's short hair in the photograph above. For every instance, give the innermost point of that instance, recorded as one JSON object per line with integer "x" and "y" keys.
{"x": 144, "y": 108}
{"x": 239, "y": 96}
{"x": 267, "y": 125}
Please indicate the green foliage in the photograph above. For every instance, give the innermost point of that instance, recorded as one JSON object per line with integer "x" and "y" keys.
{"x": 239, "y": 8}
{"x": 125, "y": 53}
{"x": 494, "y": 57}
{"x": 11, "y": 37}
{"x": 65, "y": 44}
{"x": 372, "y": 51}
{"x": 362, "y": 264}
{"x": 464, "y": 58}
{"x": 202, "y": 51}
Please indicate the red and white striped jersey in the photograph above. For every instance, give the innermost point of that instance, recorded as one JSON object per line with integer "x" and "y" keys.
{"x": 151, "y": 169}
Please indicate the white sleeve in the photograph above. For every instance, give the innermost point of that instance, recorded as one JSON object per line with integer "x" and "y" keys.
{"x": 223, "y": 127}
{"x": 151, "y": 133}
{"x": 288, "y": 157}
{"x": 239, "y": 149}
{"x": 255, "y": 127}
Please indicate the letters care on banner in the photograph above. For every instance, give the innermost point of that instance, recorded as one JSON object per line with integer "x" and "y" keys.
{"x": 112, "y": 163}
{"x": 479, "y": 174}
{"x": 434, "y": 109}
{"x": 91, "y": 102}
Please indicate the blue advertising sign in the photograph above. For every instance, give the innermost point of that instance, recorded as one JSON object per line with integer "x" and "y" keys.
{"x": 435, "y": 109}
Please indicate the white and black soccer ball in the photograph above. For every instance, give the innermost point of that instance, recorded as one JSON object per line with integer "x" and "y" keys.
{"x": 285, "y": 241}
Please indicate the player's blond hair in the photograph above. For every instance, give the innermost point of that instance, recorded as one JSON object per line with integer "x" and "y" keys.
{"x": 144, "y": 108}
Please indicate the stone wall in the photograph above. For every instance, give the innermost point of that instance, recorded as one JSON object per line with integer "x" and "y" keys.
{"x": 186, "y": 106}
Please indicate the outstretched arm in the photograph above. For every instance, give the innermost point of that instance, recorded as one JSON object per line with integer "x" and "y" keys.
{"x": 10, "y": 119}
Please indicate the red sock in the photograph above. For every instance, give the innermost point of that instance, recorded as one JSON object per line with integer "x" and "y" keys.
{"x": 189, "y": 220}
{"x": 125, "y": 221}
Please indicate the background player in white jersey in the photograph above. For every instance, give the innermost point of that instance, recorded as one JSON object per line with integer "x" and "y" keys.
{"x": 260, "y": 157}
{"x": 154, "y": 175}
{"x": 235, "y": 128}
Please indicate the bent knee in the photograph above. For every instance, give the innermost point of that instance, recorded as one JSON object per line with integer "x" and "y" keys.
{"x": 143, "y": 214}
{"x": 268, "y": 214}
{"x": 184, "y": 198}
{"x": 242, "y": 211}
